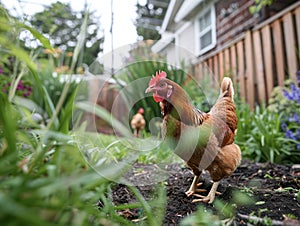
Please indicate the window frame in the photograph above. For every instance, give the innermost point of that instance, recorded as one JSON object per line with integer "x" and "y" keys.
{"x": 212, "y": 28}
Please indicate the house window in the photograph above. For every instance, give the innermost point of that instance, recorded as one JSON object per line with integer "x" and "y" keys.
{"x": 205, "y": 29}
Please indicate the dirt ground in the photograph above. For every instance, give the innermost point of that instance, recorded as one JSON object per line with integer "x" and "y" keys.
{"x": 272, "y": 188}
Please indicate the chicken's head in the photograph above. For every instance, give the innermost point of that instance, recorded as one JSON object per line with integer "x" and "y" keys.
{"x": 160, "y": 86}
{"x": 141, "y": 111}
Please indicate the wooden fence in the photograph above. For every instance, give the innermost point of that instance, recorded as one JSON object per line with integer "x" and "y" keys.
{"x": 261, "y": 58}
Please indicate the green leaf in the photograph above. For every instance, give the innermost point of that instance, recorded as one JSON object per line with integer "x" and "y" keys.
{"x": 44, "y": 41}
{"x": 8, "y": 124}
{"x": 105, "y": 115}
{"x": 21, "y": 54}
{"x": 81, "y": 40}
{"x": 66, "y": 115}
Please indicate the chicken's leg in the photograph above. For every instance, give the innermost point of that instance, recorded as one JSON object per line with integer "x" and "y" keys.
{"x": 194, "y": 187}
{"x": 136, "y": 132}
{"x": 211, "y": 195}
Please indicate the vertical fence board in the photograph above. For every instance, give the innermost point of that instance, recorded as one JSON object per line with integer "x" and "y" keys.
{"x": 211, "y": 70}
{"x": 204, "y": 69}
{"x": 221, "y": 66}
{"x": 268, "y": 59}
{"x": 216, "y": 68}
{"x": 241, "y": 69}
{"x": 207, "y": 63}
{"x": 211, "y": 65}
{"x": 199, "y": 71}
{"x": 233, "y": 64}
{"x": 227, "y": 61}
{"x": 278, "y": 52}
{"x": 250, "y": 69}
{"x": 297, "y": 19}
{"x": 290, "y": 44}
{"x": 259, "y": 67}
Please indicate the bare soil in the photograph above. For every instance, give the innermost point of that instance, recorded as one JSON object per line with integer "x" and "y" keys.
{"x": 272, "y": 187}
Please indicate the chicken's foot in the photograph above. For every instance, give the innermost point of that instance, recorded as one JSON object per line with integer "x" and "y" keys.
{"x": 211, "y": 195}
{"x": 194, "y": 187}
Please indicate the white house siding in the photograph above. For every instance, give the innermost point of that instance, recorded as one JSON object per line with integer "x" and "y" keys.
{"x": 183, "y": 46}
{"x": 170, "y": 53}
{"x": 185, "y": 43}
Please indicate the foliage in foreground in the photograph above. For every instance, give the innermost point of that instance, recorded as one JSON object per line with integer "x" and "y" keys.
{"x": 272, "y": 133}
{"x": 261, "y": 138}
{"x": 46, "y": 178}
{"x": 286, "y": 102}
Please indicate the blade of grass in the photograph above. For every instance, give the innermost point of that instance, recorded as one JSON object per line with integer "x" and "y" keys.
{"x": 44, "y": 41}
{"x": 65, "y": 118}
{"x": 152, "y": 220}
{"x": 105, "y": 115}
{"x": 9, "y": 123}
{"x": 78, "y": 47}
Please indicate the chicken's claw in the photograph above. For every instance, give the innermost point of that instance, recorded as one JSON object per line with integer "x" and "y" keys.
{"x": 211, "y": 195}
{"x": 193, "y": 190}
{"x": 206, "y": 199}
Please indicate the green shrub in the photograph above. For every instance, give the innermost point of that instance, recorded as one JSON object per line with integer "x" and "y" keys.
{"x": 53, "y": 86}
{"x": 286, "y": 102}
{"x": 202, "y": 93}
{"x": 260, "y": 137}
{"x": 46, "y": 178}
{"x": 143, "y": 69}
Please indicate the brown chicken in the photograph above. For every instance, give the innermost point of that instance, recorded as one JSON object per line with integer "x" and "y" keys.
{"x": 138, "y": 123}
{"x": 203, "y": 140}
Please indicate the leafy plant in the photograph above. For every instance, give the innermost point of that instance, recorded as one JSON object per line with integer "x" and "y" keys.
{"x": 203, "y": 93}
{"x": 286, "y": 102}
{"x": 46, "y": 178}
{"x": 53, "y": 84}
{"x": 259, "y": 4}
{"x": 260, "y": 137}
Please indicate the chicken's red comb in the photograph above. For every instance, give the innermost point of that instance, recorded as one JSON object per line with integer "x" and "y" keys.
{"x": 158, "y": 75}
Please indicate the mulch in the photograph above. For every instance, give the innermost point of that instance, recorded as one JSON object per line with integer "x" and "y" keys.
{"x": 272, "y": 188}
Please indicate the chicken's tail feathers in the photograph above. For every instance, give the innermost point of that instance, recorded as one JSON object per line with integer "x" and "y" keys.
{"x": 226, "y": 89}
{"x": 224, "y": 107}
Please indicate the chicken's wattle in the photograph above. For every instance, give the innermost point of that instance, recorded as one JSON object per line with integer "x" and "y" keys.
{"x": 157, "y": 98}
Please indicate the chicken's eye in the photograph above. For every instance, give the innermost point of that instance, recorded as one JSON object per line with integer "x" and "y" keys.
{"x": 161, "y": 85}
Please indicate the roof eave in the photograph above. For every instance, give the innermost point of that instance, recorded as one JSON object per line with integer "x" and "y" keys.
{"x": 186, "y": 8}
{"x": 167, "y": 16}
{"x": 162, "y": 43}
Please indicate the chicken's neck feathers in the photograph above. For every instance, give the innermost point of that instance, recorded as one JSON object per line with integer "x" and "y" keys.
{"x": 199, "y": 116}
{"x": 186, "y": 113}
{"x": 180, "y": 107}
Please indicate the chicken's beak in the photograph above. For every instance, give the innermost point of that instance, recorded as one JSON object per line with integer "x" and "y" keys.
{"x": 149, "y": 89}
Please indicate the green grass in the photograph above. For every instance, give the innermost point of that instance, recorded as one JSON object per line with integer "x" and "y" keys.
{"x": 260, "y": 137}
{"x": 48, "y": 174}
{"x": 115, "y": 149}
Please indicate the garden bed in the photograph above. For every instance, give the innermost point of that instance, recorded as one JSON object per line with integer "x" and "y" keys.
{"x": 272, "y": 188}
